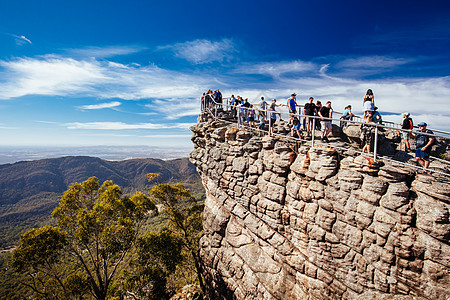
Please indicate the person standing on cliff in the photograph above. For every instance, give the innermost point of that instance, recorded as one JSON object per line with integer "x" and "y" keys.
{"x": 232, "y": 102}
{"x": 246, "y": 106}
{"x": 273, "y": 114}
{"x": 251, "y": 116}
{"x": 318, "y": 107}
{"x": 203, "y": 101}
{"x": 326, "y": 112}
{"x": 263, "y": 106}
{"x": 368, "y": 102}
{"x": 309, "y": 110}
{"x": 218, "y": 98}
{"x": 292, "y": 105}
{"x": 367, "y": 133}
{"x": 407, "y": 124}
{"x": 424, "y": 144}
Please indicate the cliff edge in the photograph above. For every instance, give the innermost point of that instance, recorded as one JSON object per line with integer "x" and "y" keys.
{"x": 283, "y": 220}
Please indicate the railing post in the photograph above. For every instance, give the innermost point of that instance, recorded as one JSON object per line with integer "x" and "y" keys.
{"x": 375, "y": 145}
{"x": 238, "y": 116}
{"x": 313, "y": 132}
{"x": 270, "y": 124}
{"x": 215, "y": 110}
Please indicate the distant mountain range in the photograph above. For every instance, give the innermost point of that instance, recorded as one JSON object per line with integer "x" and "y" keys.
{"x": 30, "y": 190}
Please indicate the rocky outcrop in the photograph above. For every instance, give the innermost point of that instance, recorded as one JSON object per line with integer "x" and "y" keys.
{"x": 286, "y": 221}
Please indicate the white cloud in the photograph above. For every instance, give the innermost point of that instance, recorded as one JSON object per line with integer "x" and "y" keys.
{"x": 60, "y": 76}
{"x": 2, "y": 126}
{"x": 47, "y": 122}
{"x": 203, "y": 51}
{"x": 103, "y": 52}
{"x": 275, "y": 69}
{"x": 49, "y": 76}
{"x": 176, "y": 108}
{"x": 101, "y": 105}
{"x": 179, "y": 92}
{"x": 373, "y": 62}
{"x": 122, "y": 126}
{"x": 21, "y": 40}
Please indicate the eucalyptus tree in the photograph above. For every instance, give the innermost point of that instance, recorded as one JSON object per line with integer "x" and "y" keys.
{"x": 96, "y": 228}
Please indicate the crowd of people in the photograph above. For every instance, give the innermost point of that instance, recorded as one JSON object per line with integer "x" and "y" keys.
{"x": 316, "y": 115}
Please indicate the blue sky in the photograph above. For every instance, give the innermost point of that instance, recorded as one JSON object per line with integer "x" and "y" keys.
{"x": 132, "y": 72}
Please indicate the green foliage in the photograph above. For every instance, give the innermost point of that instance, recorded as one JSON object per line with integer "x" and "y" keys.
{"x": 96, "y": 227}
{"x": 158, "y": 256}
{"x": 162, "y": 249}
{"x": 185, "y": 218}
{"x": 31, "y": 190}
{"x": 40, "y": 246}
{"x": 96, "y": 247}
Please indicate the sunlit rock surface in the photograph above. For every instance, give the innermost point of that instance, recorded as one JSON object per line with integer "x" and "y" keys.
{"x": 286, "y": 221}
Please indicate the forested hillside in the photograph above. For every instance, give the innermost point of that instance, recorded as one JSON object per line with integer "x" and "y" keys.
{"x": 30, "y": 190}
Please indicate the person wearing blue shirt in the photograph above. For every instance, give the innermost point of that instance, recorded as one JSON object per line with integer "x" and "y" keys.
{"x": 292, "y": 104}
{"x": 346, "y": 115}
{"x": 376, "y": 117}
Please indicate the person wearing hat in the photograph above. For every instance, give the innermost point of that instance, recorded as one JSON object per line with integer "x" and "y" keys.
{"x": 376, "y": 116}
{"x": 424, "y": 144}
{"x": 407, "y": 124}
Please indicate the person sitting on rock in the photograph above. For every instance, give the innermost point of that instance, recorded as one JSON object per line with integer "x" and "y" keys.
{"x": 346, "y": 115}
{"x": 376, "y": 117}
{"x": 424, "y": 144}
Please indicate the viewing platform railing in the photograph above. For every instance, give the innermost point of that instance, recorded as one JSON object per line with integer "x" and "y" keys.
{"x": 240, "y": 114}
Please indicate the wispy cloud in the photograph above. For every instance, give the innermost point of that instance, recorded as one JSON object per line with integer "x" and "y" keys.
{"x": 100, "y": 105}
{"x": 104, "y": 52}
{"x": 2, "y": 126}
{"x": 373, "y": 62}
{"x": 275, "y": 69}
{"x": 203, "y": 51}
{"x": 176, "y": 108}
{"x": 122, "y": 126}
{"x": 61, "y": 76}
{"x": 175, "y": 94}
{"x": 47, "y": 122}
{"x": 49, "y": 75}
{"x": 21, "y": 39}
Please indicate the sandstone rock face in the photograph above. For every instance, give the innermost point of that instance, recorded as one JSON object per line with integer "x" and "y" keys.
{"x": 312, "y": 224}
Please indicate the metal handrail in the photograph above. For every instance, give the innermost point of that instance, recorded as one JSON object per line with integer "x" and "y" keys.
{"x": 345, "y": 121}
{"x": 387, "y": 124}
{"x": 377, "y": 126}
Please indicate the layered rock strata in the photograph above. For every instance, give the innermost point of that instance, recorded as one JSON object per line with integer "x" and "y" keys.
{"x": 286, "y": 221}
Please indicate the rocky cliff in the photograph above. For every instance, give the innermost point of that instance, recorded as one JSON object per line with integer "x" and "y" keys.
{"x": 286, "y": 221}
